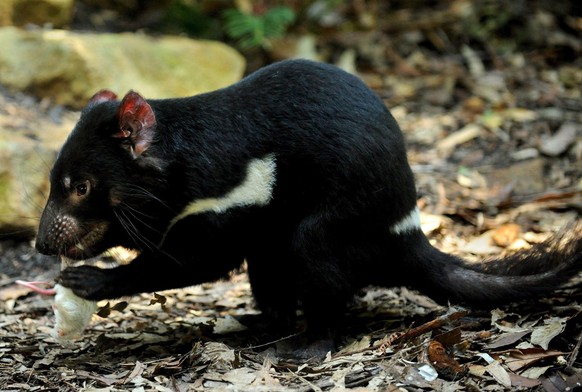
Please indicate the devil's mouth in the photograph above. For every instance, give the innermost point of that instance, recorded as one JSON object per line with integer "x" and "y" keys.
{"x": 86, "y": 246}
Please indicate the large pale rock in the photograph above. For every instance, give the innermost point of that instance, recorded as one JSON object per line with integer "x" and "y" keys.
{"x": 70, "y": 67}
{"x": 39, "y": 12}
{"x": 27, "y": 150}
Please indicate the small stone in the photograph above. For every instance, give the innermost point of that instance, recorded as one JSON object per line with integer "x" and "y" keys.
{"x": 560, "y": 141}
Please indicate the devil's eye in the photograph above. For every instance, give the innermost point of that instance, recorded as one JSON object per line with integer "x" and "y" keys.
{"x": 82, "y": 189}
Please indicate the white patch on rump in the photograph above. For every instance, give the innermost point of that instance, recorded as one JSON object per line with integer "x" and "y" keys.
{"x": 255, "y": 190}
{"x": 407, "y": 224}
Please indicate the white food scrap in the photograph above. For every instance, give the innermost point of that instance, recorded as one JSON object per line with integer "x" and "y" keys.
{"x": 72, "y": 313}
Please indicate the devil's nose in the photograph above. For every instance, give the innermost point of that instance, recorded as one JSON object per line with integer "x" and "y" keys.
{"x": 44, "y": 247}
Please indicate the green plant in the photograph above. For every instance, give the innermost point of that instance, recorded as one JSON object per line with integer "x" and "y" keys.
{"x": 253, "y": 30}
{"x": 187, "y": 17}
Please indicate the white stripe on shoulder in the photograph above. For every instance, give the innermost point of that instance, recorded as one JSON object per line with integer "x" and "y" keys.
{"x": 255, "y": 190}
{"x": 409, "y": 223}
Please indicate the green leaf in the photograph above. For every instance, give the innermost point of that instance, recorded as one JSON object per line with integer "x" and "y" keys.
{"x": 255, "y": 30}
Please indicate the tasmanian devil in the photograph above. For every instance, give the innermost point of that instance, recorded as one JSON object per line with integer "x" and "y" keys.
{"x": 299, "y": 169}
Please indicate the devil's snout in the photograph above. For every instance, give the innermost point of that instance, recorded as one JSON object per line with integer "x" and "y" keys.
{"x": 56, "y": 232}
{"x": 43, "y": 246}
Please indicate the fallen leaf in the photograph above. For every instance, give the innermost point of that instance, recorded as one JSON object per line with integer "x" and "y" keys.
{"x": 465, "y": 134}
{"x": 355, "y": 346}
{"x": 482, "y": 245}
{"x": 219, "y": 355}
{"x": 560, "y": 141}
{"x": 240, "y": 377}
{"x": 492, "y": 120}
{"x": 470, "y": 178}
{"x": 474, "y": 104}
{"x": 506, "y": 339}
{"x": 499, "y": 320}
{"x": 120, "y": 306}
{"x": 48, "y": 359}
{"x": 137, "y": 371}
{"x": 476, "y": 66}
{"x": 542, "y": 336}
{"x": 265, "y": 377}
{"x": 520, "y": 114}
{"x": 13, "y": 292}
{"x": 107, "y": 379}
{"x": 525, "y": 154}
{"x": 430, "y": 223}
{"x": 228, "y": 324}
{"x": 506, "y": 234}
{"x": 158, "y": 299}
{"x": 105, "y": 310}
{"x": 518, "y": 359}
{"x": 518, "y": 380}
{"x": 497, "y": 371}
{"x": 535, "y": 372}
{"x": 518, "y": 244}
{"x": 449, "y": 338}
{"x": 443, "y": 362}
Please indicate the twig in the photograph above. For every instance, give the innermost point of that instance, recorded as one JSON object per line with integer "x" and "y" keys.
{"x": 271, "y": 342}
{"x": 453, "y": 315}
{"x": 575, "y": 351}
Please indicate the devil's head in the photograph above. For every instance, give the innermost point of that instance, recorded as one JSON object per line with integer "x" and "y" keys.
{"x": 99, "y": 178}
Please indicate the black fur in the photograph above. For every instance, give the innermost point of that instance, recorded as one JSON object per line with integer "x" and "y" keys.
{"x": 342, "y": 182}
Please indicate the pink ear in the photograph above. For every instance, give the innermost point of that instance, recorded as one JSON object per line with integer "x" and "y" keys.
{"x": 136, "y": 122}
{"x": 102, "y": 96}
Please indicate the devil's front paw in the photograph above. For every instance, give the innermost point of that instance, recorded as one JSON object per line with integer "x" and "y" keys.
{"x": 86, "y": 281}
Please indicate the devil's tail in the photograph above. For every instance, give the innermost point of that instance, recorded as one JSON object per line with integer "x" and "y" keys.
{"x": 524, "y": 274}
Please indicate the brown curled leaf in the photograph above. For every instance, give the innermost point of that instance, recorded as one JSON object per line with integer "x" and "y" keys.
{"x": 445, "y": 364}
